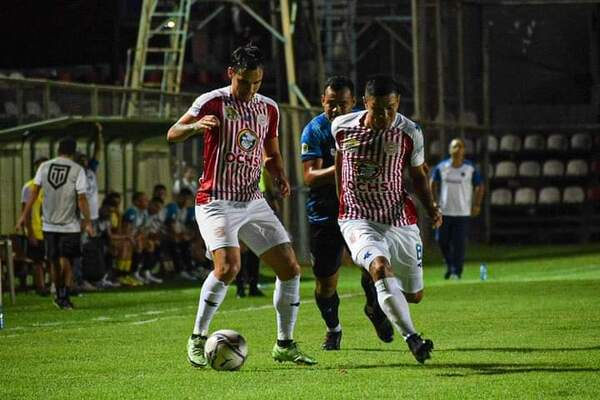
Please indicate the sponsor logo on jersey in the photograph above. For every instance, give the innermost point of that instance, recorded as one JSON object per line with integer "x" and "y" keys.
{"x": 262, "y": 119}
{"x": 390, "y": 148}
{"x": 247, "y": 139}
{"x": 350, "y": 145}
{"x": 367, "y": 170}
{"x": 243, "y": 158}
{"x": 231, "y": 113}
{"x": 57, "y": 175}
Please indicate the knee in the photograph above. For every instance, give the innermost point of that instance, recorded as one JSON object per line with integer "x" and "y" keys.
{"x": 380, "y": 268}
{"x": 291, "y": 270}
{"x": 227, "y": 271}
{"x": 414, "y": 298}
{"x": 325, "y": 287}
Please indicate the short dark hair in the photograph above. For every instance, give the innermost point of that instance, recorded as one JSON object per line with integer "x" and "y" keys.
{"x": 136, "y": 196}
{"x": 381, "y": 85}
{"x": 158, "y": 187}
{"x": 339, "y": 82}
{"x": 248, "y": 56}
{"x": 67, "y": 146}
{"x": 184, "y": 192}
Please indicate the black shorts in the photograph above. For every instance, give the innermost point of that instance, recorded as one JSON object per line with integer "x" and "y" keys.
{"x": 326, "y": 247}
{"x": 37, "y": 252}
{"x": 60, "y": 244}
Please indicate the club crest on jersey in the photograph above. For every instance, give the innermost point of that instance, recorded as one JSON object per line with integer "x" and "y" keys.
{"x": 350, "y": 145}
{"x": 231, "y": 113}
{"x": 57, "y": 175}
{"x": 305, "y": 148}
{"x": 390, "y": 148}
{"x": 262, "y": 120}
{"x": 247, "y": 139}
{"x": 366, "y": 170}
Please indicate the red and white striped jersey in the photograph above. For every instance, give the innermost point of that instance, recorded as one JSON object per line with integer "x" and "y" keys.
{"x": 372, "y": 164}
{"x": 233, "y": 153}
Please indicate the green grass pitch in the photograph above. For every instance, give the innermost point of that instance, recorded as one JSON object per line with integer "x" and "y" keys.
{"x": 532, "y": 331}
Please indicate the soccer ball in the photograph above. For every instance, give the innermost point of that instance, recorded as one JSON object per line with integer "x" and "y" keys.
{"x": 226, "y": 350}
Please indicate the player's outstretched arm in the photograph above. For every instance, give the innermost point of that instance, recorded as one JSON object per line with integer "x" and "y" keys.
{"x": 423, "y": 191}
{"x": 26, "y": 210}
{"x": 187, "y": 126}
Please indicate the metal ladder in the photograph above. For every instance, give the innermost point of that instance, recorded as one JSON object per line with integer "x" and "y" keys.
{"x": 159, "y": 53}
{"x": 339, "y": 36}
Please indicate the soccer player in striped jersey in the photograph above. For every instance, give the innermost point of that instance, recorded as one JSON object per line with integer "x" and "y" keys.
{"x": 377, "y": 217}
{"x": 326, "y": 241}
{"x": 240, "y": 129}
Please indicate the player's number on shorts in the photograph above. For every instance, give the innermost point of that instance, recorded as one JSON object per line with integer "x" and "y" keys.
{"x": 419, "y": 249}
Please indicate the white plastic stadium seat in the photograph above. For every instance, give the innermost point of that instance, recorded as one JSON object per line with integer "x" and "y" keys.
{"x": 435, "y": 148}
{"x": 33, "y": 109}
{"x": 16, "y": 75}
{"x": 534, "y": 142}
{"x": 577, "y": 168}
{"x": 573, "y": 194}
{"x": 530, "y": 168}
{"x": 525, "y": 196}
{"x": 581, "y": 141}
{"x": 549, "y": 195}
{"x": 53, "y": 109}
{"x": 492, "y": 143}
{"x": 510, "y": 143}
{"x": 11, "y": 109}
{"x": 506, "y": 169}
{"x": 501, "y": 197}
{"x": 556, "y": 142}
{"x": 553, "y": 168}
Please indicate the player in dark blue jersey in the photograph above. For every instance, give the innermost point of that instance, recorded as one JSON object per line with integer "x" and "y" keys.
{"x": 326, "y": 241}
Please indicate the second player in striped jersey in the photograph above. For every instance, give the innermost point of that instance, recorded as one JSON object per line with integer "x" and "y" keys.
{"x": 377, "y": 216}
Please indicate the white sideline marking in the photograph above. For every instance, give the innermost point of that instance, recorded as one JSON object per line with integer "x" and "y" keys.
{"x": 61, "y": 325}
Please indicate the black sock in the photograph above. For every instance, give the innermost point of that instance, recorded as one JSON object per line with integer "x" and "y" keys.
{"x": 329, "y": 309}
{"x": 284, "y": 343}
{"x": 194, "y": 336}
{"x": 62, "y": 293}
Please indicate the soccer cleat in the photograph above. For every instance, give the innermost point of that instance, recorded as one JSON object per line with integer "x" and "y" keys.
{"x": 195, "y": 350}
{"x": 291, "y": 353}
{"x": 63, "y": 303}
{"x": 151, "y": 278}
{"x": 420, "y": 348}
{"x": 332, "y": 341}
{"x": 383, "y": 326}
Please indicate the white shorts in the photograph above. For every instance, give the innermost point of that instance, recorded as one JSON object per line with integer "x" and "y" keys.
{"x": 222, "y": 222}
{"x": 401, "y": 245}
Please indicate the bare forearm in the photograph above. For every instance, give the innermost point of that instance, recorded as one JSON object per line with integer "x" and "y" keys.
{"x": 274, "y": 165}
{"x": 423, "y": 192}
{"x": 478, "y": 195}
{"x": 320, "y": 177}
{"x": 180, "y": 132}
{"x": 84, "y": 208}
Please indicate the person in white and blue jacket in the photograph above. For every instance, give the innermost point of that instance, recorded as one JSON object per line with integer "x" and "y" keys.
{"x": 458, "y": 188}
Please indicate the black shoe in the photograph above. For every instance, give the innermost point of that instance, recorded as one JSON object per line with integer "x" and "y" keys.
{"x": 447, "y": 275}
{"x": 420, "y": 348}
{"x": 255, "y": 292}
{"x": 68, "y": 304}
{"x": 332, "y": 341}
{"x": 383, "y": 326}
{"x": 62, "y": 304}
{"x": 240, "y": 292}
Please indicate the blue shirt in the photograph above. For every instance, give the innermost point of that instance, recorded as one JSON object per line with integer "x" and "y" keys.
{"x": 456, "y": 186}
{"x": 317, "y": 142}
{"x": 179, "y": 217}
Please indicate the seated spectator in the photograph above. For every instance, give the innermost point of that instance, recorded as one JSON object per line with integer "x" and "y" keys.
{"x": 160, "y": 191}
{"x": 152, "y": 231}
{"x": 177, "y": 241}
{"x": 134, "y": 220}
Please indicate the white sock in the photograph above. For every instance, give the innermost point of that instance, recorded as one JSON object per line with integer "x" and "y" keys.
{"x": 286, "y": 299}
{"x": 394, "y": 305}
{"x": 211, "y": 296}
{"x": 338, "y": 328}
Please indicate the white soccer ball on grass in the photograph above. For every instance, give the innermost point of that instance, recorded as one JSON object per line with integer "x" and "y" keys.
{"x": 226, "y": 350}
